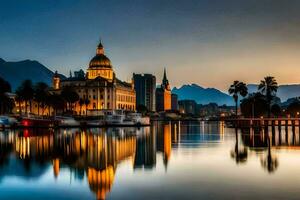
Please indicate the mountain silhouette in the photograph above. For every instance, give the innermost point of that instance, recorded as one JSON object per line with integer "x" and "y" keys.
{"x": 16, "y": 72}
{"x": 203, "y": 95}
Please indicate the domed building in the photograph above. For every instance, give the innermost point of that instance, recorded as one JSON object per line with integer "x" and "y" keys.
{"x": 100, "y": 65}
{"x": 99, "y": 86}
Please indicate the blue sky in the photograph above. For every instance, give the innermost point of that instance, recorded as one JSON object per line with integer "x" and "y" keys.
{"x": 207, "y": 42}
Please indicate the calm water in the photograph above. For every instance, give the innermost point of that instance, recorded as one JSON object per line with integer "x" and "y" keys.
{"x": 164, "y": 161}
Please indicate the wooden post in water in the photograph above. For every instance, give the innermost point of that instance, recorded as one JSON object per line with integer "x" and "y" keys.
{"x": 266, "y": 126}
{"x": 299, "y": 126}
{"x": 293, "y": 131}
{"x": 286, "y": 131}
{"x": 273, "y": 128}
{"x": 279, "y": 131}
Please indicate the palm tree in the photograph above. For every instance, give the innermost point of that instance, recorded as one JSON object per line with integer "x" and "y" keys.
{"x": 4, "y": 99}
{"x": 269, "y": 87}
{"x": 236, "y": 89}
{"x": 81, "y": 103}
{"x": 56, "y": 102}
{"x": 40, "y": 95}
{"x": 19, "y": 99}
{"x": 70, "y": 96}
{"x": 26, "y": 93}
{"x": 86, "y": 103}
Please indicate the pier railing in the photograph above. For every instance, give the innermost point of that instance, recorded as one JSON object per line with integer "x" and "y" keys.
{"x": 261, "y": 122}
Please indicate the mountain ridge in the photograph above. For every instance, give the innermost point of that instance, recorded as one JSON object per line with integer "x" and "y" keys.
{"x": 202, "y": 95}
{"x": 16, "y": 72}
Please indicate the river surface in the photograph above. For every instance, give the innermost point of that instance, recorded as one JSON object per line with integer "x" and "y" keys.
{"x": 187, "y": 160}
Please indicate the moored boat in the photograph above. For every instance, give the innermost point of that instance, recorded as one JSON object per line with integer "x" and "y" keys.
{"x": 66, "y": 121}
{"x": 36, "y": 122}
{"x": 7, "y": 121}
{"x": 138, "y": 119}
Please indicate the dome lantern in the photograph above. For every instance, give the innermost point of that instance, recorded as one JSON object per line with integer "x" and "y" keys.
{"x": 100, "y": 49}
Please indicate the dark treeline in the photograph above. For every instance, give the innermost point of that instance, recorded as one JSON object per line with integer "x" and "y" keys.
{"x": 40, "y": 94}
{"x": 264, "y": 102}
{"x": 6, "y": 103}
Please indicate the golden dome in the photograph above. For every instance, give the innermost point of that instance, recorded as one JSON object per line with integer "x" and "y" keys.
{"x": 100, "y": 60}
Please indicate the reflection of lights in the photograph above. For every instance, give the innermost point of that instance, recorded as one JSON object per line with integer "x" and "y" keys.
{"x": 56, "y": 167}
{"x": 23, "y": 147}
{"x": 26, "y": 133}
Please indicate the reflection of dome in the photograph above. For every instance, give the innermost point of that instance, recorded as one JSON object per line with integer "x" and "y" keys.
{"x": 100, "y": 182}
{"x": 100, "y": 60}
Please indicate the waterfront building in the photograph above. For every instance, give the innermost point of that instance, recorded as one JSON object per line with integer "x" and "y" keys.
{"x": 100, "y": 86}
{"x": 163, "y": 95}
{"x": 174, "y": 102}
{"x": 187, "y": 107}
{"x": 145, "y": 85}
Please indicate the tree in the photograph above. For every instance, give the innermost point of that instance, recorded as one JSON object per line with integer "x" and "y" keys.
{"x": 70, "y": 96}
{"x": 19, "y": 99}
{"x": 56, "y": 102}
{"x": 86, "y": 103}
{"x": 254, "y": 105}
{"x": 294, "y": 108}
{"x": 26, "y": 93}
{"x": 81, "y": 103}
{"x": 5, "y": 101}
{"x": 269, "y": 87}
{"x": 40, "y": 95}
{"x": 236, "y": 89}
{"x": 276, "y": 110}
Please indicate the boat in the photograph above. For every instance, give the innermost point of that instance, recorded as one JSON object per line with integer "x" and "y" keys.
{"x": 6, "y": 121}
{"x": 96, "y": 122}
{"x": 66, "y": 121}
{"x": 138, "y": 119}
{"x": 36, "y": 122}
{"x": 114, "y": 117}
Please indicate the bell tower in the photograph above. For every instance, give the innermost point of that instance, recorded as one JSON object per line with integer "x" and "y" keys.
{"x": 56, "y": 81}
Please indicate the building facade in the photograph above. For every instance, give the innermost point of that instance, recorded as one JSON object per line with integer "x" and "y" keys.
{"x": 145, "y": 85}
{"x": 187, "y": 107}
{"x": 174, "y": 102}
{"x": 163, "y": 95}
{"x": 99, "y": 86}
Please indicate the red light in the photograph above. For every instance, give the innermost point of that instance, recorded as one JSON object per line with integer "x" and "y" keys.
{"x": 25, "y": 123}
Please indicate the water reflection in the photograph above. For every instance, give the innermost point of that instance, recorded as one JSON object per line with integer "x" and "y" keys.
{"x": 94, "y": 156}
{"x": 95, "y": 153}
{"x": 269, "y": 139}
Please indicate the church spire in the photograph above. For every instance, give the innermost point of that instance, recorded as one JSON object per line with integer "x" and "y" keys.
{"x": 165, "y": 81}
{"x": 165, "y": 75}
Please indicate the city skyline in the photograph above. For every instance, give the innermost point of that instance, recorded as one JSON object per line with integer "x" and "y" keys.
{"x": 209, "y": 44}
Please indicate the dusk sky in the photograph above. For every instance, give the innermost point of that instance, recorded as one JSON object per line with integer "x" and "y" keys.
{"x": 207, "y": 42}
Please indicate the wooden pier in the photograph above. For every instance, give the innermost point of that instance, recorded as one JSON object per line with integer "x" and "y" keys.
{"x": 264, "y": 122}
